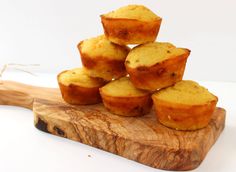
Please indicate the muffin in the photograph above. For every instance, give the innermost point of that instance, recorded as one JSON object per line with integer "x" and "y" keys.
{"x": 184, "y": 106}
{"x": 156, "y": 65}
{"x": 122, "y": 98}
{"x": 132, "y": 24}
{"x": 103, "y": 59}
{"x": 78, "y": 88}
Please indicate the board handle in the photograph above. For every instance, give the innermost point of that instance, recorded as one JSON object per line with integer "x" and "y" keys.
{"x": 23, "y": 95}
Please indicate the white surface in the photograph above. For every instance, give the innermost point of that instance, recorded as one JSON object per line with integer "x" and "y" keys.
{"x": 47, "y": 32}
{"x": 24, "y": 148}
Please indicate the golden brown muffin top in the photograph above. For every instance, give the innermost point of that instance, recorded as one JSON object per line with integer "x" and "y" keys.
{"x": 101, "y": 47}
{"x": 122, "y": 88}
{"x": 138, "y": 12}
{"x": 151, "y": 53}
{"x": 79, "y": 77}
{"x": 185, "y": 92}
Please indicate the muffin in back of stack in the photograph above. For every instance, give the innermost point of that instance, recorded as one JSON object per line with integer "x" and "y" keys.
{"x": 102, "y": 58}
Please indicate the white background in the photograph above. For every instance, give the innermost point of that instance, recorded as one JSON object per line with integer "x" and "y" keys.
{"x": 47, "y": 32}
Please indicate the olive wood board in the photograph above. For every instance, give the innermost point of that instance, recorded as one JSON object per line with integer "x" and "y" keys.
{"x": 142, "y": 139}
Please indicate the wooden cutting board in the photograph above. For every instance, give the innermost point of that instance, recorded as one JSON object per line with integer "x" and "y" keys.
{"x": 141, "y": 139}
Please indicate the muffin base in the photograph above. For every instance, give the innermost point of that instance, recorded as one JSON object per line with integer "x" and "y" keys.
{"x": 127, "y": 106}
{"x": 183, "y": 117}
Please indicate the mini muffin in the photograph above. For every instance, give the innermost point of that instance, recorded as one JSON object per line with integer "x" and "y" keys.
{"x": 156, "y": 65}
{"x": 184, "y": 106}
{"x": 102, "y": 58}
{"x": 132, "y": 24}
{"x": 122, "y": 98}
{"x": 78, "y": 88}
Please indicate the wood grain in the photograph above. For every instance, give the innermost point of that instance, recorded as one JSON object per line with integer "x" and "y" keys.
{"x": 141, "y": 139}
{"x": 18, "y": 94}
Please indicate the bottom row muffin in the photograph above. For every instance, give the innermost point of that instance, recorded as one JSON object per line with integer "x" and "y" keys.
{"x": 122, "y": 98}
{"x": 78, "y": 88}
{"x": 184, "y": 106}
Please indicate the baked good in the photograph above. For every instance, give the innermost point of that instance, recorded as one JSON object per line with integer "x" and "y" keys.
{"x": 156, "y": 65}
{"x": 102, "y": 58}
{"x": 78, "y": 88}
{"x": 122, "y": 98}
{"x": 184, "y": 106}
{"x": 132, "y": 24}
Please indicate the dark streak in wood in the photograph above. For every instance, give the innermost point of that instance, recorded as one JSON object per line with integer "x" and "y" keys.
{"x": 41, "y": 125}
{"x": 59, "y": 131}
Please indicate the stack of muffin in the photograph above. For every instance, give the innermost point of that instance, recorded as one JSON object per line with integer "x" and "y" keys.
{"x": 128, "y": 81}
